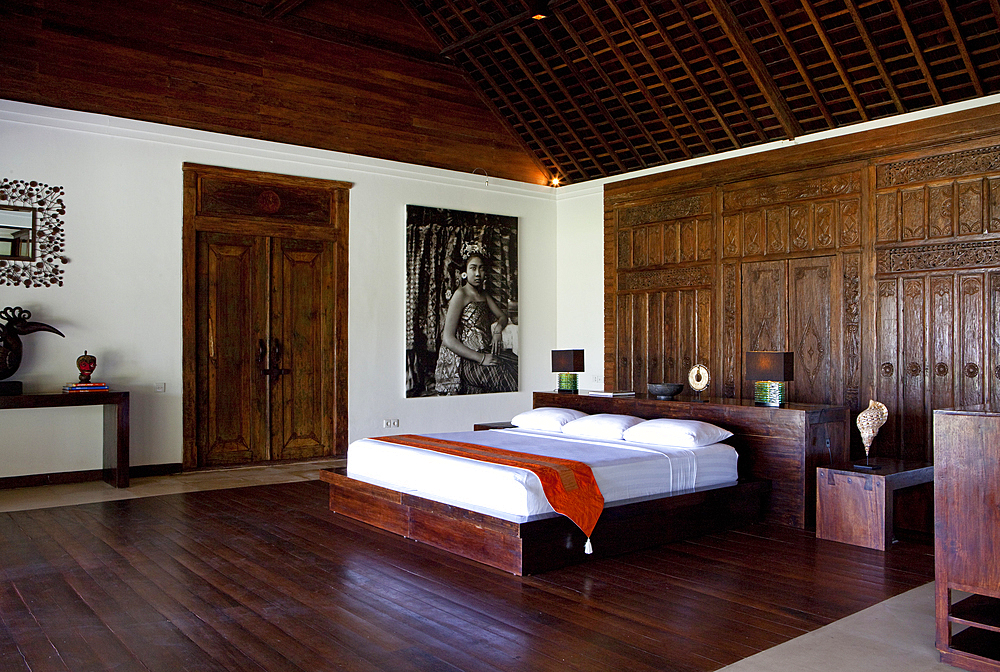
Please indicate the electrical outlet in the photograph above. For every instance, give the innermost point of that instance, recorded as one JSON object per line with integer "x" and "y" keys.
{"x": 159, "y": 387}
{"x": 599, "y": 379}
{"x": 388, "y": 423}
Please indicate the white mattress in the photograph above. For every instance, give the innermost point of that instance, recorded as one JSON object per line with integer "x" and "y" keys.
{"x": 623, "y": 470}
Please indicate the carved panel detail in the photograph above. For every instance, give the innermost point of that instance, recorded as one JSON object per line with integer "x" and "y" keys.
{"x": 887, "y": 218}
{"x": 730, "y": 330}
{"x": 955, "y": 164}
{"x": 970, "y": 208}
{"x": 667, "y": 278}
{"x": 850, "y": 222}
{"x": 940, "y": 208}
{"x": 732, "y": 226}
{"x": 752, "y": 243}
{"x": 799, "y": 237}
{"x": 819, "y": 187}
{"x": 913, "y": 214}
{"x": 660, "y": 211}
{"x": 852, "y": 330}
{"x": 825, "y": 224}
{"x": 945, "y": 255}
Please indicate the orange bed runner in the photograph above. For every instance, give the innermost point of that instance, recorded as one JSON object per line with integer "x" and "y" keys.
{"x": 568, "y": 485}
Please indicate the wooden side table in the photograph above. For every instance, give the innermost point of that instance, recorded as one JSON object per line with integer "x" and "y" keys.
{"x": 116, "y": 427}
{"x": 855, "y": 505}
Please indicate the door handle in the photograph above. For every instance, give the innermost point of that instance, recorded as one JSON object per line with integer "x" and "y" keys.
{"x": 274, "y": 370}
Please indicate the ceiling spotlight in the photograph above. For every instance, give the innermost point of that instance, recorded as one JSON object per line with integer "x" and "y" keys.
{"x": 555, "y": 181}
{"x": 538, "y": 9}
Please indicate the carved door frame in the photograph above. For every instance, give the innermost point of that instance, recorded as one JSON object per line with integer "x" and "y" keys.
{"x": 273, "y": 206}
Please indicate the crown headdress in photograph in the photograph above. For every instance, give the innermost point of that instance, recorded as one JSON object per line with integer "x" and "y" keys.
{"x": 470, "y": 249}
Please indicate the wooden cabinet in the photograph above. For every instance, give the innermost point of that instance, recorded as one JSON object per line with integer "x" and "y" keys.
{"x": 782, "y": 444}
{"x": 967, "y": 536}
{"x": 265, "y": 317}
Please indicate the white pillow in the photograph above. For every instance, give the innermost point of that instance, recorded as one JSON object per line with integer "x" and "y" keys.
{"x": 676, "y": 432}
{"x": 546, "y": 419}
{"x": 603, "y": 426}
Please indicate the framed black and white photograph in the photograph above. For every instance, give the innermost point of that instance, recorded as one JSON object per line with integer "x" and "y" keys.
{"x": 461, "y": 302}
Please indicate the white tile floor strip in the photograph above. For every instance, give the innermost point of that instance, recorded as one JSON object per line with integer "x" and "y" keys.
{"x": 893, "y": 636}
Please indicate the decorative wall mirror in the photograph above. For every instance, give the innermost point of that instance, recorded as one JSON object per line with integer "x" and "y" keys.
{"x": 31, "y": 234}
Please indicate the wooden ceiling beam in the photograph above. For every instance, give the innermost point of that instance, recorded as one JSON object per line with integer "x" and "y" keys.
{"x": 556, "y": 110}
{"x": 664, "y": 79}
{"x": 598, "y": 136}
{"x": 497, "y": 113}
{"x": 588, "y": 54}
{"x": 637, "y": 80}
{"x": 744, "y": 47}
{"x": 695, "y": 81}
{"x": 607, "y": 117}
{"x": 476, "y": 37}
{"x": 970, "y": 67}
{"x": 526, "y": 72}
{"x": 831, "y": 52}
{"x": 876, "y": 57}
{"x": 720, "y": 69}
{"x": 498, "y": 91}
{"x": 915, "y": 51}
{"x": 799, "y": 65}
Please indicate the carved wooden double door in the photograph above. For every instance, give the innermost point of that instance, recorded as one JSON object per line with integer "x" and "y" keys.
{"x": 264, "y": 339}
{"x": 265, "y": 345}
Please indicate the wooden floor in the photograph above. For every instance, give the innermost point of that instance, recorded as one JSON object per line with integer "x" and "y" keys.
{"x": 265, "y": 578}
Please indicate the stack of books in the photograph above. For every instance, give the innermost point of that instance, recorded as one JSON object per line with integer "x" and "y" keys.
{"x": 612, "y": 393}
{"x": 85, "y": 387}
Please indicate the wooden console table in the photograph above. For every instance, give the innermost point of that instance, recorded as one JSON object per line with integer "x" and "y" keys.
{"x": 116, "y": 431}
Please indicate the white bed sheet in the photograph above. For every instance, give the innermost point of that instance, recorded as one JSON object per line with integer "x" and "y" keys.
{"x": 622, "y": 470}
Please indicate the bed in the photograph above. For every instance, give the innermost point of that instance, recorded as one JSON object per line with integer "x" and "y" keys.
{"x": 522, "y": 534}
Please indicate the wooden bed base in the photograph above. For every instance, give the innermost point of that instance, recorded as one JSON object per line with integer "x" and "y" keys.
{"x": 546, "y": 541}
{"x": 779, "y": 450}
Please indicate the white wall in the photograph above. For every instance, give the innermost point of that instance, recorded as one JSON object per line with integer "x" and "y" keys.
{"x": 122, "y": 295}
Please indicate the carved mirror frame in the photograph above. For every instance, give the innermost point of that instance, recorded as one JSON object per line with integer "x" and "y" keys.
{"x": 46, "y": 202}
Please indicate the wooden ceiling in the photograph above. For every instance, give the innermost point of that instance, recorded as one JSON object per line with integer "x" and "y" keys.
{"x": 603, "y": 87}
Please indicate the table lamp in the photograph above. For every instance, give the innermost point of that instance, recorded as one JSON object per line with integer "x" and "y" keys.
{"x": 567, "y": 363}
{"x": 770, "y": 372}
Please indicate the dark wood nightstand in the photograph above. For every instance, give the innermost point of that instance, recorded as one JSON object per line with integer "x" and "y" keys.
{"x": 855, "y": 505}
{"x": 481, "y": 426}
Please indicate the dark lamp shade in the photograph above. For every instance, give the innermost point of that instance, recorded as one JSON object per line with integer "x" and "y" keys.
{"x": 773, "y": 366}
{"x": 566, "y": 361}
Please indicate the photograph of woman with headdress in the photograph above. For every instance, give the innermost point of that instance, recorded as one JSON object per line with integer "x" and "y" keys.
{"x": 461, "y": 303}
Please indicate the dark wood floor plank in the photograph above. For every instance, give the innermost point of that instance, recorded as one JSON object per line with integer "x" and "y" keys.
{"x": 266, "y": 578}
{"x": 459, "y": 615}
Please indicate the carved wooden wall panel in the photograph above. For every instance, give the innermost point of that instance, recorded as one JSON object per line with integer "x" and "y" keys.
{"x": 662, "y": 280}
{"x": 652, "y": 351}
{"x": 813, "y": 318}
{"x": 879, "y": 266}
{"x": 887, "y": 352}
{"x": 945, "y": 204}
{"x": 993, "y": 341}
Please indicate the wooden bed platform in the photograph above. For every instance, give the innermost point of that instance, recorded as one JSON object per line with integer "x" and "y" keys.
{"x": 546, "y": 541}
{"x": 778, "y": 448}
